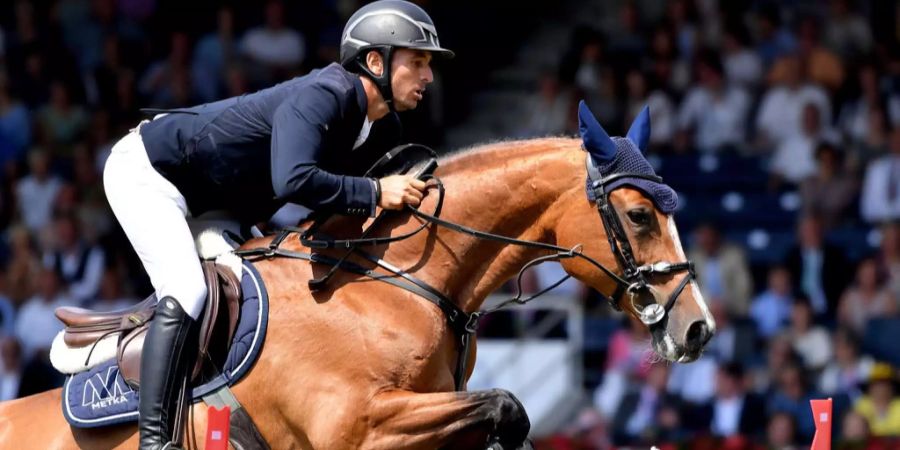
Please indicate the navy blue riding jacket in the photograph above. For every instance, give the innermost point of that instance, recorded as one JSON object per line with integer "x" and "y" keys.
{"x": 292, "y": 142}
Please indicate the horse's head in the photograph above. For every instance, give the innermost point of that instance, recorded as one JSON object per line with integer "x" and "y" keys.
{"x": 628, "y": 224}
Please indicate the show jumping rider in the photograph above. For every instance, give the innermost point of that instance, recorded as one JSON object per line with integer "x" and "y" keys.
{"x": 298, "y": 141}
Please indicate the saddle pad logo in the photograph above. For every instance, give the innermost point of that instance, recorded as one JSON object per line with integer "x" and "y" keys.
{"x": 100, "y": 396}
{"x": 106, "y": 389}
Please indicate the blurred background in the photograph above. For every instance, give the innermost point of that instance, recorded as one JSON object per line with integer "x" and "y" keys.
{"x": 778, "y": 123}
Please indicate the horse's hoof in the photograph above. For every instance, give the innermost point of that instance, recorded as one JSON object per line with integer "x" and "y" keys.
{"x": 513, "y": 425}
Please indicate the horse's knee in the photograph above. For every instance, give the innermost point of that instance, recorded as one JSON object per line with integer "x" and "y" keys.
{"x": 512, "y": 420}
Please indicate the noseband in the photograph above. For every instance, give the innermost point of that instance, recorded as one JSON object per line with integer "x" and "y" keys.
{"x": 634, "y": 278}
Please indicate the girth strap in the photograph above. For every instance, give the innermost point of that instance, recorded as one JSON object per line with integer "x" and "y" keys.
{"x": 463, "y": 324}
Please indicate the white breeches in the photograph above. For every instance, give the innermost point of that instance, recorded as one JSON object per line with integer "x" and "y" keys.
{"x": 154, "y": 216}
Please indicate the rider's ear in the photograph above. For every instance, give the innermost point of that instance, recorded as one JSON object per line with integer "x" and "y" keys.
{"x": 594, "y": 137}
{"x": 375, "y": 62}
{"x": 639, "y": 133}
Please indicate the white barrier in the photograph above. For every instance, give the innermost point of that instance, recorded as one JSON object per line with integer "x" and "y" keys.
{"x": 545, "y": 374}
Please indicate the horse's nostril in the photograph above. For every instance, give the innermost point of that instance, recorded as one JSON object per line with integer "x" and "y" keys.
{"x": 697, "y": 335}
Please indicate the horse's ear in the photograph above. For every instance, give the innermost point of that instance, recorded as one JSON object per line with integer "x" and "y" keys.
{"x": 639, "y": 133}
{"x": 596, "y": 141}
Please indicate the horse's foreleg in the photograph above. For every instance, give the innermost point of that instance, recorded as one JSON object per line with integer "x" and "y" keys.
{"x": 464, "y": 420}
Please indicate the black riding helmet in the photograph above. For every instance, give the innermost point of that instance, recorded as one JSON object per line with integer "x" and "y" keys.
{"x": 383, "y": 26}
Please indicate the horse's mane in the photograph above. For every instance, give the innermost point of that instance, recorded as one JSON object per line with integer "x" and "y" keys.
{"x": 486, "y": 154}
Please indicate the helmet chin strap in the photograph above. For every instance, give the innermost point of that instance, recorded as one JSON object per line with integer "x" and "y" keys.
{"x": 384, "y": 80}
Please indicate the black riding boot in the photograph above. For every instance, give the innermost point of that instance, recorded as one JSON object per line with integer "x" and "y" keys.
{"x": 169, "y": 352}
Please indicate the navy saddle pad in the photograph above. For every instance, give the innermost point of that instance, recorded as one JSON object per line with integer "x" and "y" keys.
{"x": 100, "y": 397}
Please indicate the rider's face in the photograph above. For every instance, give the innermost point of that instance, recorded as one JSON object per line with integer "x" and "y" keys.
{"x": 410, "y": 73}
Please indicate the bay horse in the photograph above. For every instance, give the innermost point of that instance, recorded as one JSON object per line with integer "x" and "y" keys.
{"x": 362, "y": 364}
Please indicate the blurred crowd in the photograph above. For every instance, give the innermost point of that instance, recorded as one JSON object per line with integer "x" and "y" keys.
{"x": 74, "y": 78}
{"x": 811, "y": 89}
{"x": 811, "y": 92}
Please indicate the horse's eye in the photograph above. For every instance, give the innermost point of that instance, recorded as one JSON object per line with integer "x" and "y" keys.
{"x": 639, "y": 217}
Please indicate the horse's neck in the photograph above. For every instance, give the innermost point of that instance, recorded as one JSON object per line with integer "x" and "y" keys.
{"x": 510, "y": 192}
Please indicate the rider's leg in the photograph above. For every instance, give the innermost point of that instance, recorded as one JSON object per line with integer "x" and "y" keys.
{"x": 152, "y": 213}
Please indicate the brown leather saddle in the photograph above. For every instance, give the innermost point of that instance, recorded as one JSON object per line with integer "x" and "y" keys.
{"x": 220, "y": 316}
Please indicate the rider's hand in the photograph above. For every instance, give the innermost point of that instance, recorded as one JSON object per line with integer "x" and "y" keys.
{"x": 399, "y": 190}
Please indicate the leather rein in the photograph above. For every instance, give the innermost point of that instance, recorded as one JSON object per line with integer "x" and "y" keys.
{"x": 464, "y": 324}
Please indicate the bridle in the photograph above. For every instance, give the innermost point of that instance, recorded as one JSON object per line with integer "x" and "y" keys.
{"x": 634, "y": 279}
{"x": 464, "y": 324}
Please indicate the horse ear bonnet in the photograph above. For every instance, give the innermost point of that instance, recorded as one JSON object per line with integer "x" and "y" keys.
{"x": 614, "y": 155}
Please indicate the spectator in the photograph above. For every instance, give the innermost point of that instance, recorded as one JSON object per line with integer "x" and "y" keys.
{"x": 681, "y": 18}
{"x": 10, "y": 368}
{"x": 78, "y": 264}
{"x": 111, "y": 296}
{"x": 712, "y": 114}
{"x": 662, "y": 116}
{"x": 636, "y": 418}
{"x": 15, "y": 124}
{"x": 589, "y": 430}
{"x": 773, "y": 40}
{"x": 847, "y": 32}
{"x": 848, "y": 369}
{"x": 30, "y": 68}
{"x": 771, "y": 310}
{"x": 889, "y": 256}
{"x": 236, "y": 82}
{"x": 662, "y": 113}
{"x": 36, "y": 192}
{"x": 811, "y": 342}
{"x": 168, "y": 82}
{"x": 880, "y": 199}
{"x": 723, "y": 268}
{"x": 274, "y": 46}
{"x": 628, "y": 358}
{"x": 794, "y": 158}
{"x": 61, "y": 123}
{"x": 733, "y": 341}
{"x": 626, "y": 40}
{"x": 102, "y": 81}
{"x": 830, "y": 190}
{"x": 597, "y": 83}
{"x": 743, "y": 66}
{"x": 23, "y": 267}
{"x": 549, "y": 108}
{"x": 855, "y": 431}
{"x": 585, "y": 61}
{"x": 779, "y": 354}
{"x": 879, "y": 405}
{"x": 823, "y": 67}
{"x": 818, "y": 268}
{"x": 791, "y": 396}
{"x": 734, "y": 410}
{"x": 856, "y": 114}
{"x": 683, "y": 383}
{"x": 7, "y": 309}
{"x": 868, "y": 297}
{"x": 781, "y": 432}
{"x": 669, "y": 72}
{"x": 781, "y": 109}
{"x": 36, "y": 325}
{"x": 215, "y": 53}
{"x": 873, "y": 145}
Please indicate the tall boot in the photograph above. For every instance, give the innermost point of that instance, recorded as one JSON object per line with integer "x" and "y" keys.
{"x": 170, "y": 349}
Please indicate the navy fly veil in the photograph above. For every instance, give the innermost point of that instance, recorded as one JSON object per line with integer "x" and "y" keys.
{"x": 624, "y": 155}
